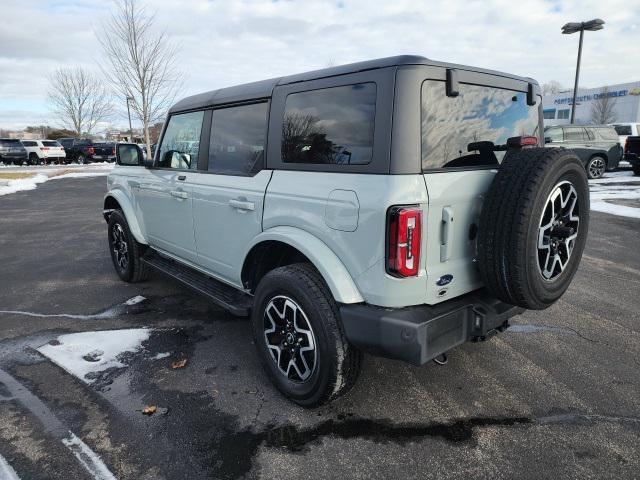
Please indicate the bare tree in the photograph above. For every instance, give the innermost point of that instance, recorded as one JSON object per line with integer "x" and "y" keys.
{"x": 142, "y": 63}
{"x": 79, "y": 99}
{"x": 551, "y": 87}
{"x": 603, "y": 108}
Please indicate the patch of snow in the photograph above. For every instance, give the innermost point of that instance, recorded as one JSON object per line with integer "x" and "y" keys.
{"x": 97, "y": 173}
{"x": 6, "y": 471}
{"x": 87, "y": 458}
{"x": 135, "y": 300}
{"x": 21, "y": 184}
{"x": 69, "y": 353}
{"x": 160, "y": 356}
{"x": 601, "y": 192}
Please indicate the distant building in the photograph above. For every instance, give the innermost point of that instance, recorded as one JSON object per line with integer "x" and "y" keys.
{"x": 557, "y": 107}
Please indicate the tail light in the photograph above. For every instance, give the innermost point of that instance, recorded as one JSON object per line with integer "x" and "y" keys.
{"x": 91, "y": 150}
{"x": 113, "y": 151}
{"x": 44, "y": 148}
{"x": 522, "y": 141}
{"x": 404, "y": 233}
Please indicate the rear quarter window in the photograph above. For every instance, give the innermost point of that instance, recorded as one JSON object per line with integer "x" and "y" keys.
{"x": 623, "y": 129}
{"x": 462, "y": 131}
{"x": 609, "y": 134}
{"x": 330, "y": 126}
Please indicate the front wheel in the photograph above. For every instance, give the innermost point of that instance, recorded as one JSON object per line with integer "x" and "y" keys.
{"x": 299, "y": 336}
{"x": 33, "y": 159}
{"x": 126, "y": 252}
{"x": 596, "y": 167}
{"x": 81, "y": 160}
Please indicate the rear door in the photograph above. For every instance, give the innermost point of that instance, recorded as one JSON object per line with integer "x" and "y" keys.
{"x": 463, "y": 142}
{"x": 228, "y": 198}
{"x": 164, "y": 195}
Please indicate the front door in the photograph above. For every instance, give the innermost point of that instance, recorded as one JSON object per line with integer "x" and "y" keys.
{"x": 165, "y": 194}
{"x": 228, "y": 200}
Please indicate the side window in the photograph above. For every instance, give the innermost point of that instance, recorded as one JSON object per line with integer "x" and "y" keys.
{"x": 330, "y": 126}
{"x": 554, "y": 134}
{"x": 29, "y": 144}
{"x": 574, "y": 134}
{"x": 608, "y": 134}
{"x": 563, "y": 114}
{"x": 238, "y": 137}
{"x": 181, "y": 142}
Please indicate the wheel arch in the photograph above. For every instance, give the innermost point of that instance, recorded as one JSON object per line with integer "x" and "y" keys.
{"x": 285, "y": 245}
{"x": 116, "y": 199}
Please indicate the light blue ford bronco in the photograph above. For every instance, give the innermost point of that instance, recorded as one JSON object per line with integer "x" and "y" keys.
{"x": 399, "y": 206}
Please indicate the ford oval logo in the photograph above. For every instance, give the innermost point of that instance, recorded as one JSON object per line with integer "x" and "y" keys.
{"x": 444, "y": 280}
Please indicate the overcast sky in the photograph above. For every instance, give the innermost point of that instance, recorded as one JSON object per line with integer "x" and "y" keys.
{"x": 226, "y": 42}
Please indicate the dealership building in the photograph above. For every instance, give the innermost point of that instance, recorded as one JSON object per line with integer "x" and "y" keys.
{"x": 625, "y": 98}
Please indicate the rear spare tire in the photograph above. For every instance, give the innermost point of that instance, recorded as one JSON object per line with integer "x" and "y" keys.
{"x": 533, "y": 226}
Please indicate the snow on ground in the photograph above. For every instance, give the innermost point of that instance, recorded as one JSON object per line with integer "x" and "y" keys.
{"x": 43, "y": 174}
{"x": 613, "y": 187}
{"x": 6, "y": 471}
{"x": 87, "y": 352}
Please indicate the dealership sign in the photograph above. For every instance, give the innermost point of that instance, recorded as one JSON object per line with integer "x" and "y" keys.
{"x": 596, "y": 96}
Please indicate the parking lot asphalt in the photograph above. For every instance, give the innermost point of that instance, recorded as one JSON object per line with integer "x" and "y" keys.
{"x": 555, "y": 396}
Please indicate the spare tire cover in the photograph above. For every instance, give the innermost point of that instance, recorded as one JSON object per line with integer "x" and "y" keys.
{"x": 533, "y": 226}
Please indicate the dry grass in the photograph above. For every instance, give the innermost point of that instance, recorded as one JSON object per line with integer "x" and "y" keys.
{"x": 15, "y": 175}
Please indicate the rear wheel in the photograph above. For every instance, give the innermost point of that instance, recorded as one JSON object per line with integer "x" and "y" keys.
{"x": 636, "y": 169}
{"x": 126, "y": 252}
{"x": 299, "y": 336}
{"x": 81, "y": 160}
{"x": 596, "y": 167}
{"x": 33, "y": 159}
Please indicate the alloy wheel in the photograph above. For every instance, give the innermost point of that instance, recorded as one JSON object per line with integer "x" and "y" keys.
{"x": 558, "y": 230}
{"x": 597, "y": 167}
{"x": 290, "y": 338}
{"x": 119, "y": 246}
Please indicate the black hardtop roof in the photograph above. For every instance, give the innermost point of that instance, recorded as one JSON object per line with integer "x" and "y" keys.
{"x": 264, "y": 88}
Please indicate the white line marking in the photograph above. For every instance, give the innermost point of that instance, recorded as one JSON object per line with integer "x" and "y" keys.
{"x": 88, "y": 458}
{"x": 108, "y": 313}
{"x": 6, "y": 471}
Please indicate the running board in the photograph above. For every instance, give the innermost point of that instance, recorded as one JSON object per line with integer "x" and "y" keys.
{"x": 235, "y": 301}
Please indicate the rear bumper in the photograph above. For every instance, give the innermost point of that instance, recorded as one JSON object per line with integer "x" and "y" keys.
{"x": 632, "y": 158}
{"x": 420, "y": 333}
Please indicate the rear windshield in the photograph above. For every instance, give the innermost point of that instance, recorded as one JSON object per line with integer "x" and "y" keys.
{"x": 50, "y": 144}
{"x": 464, "y": 131}
{"x": 623, "y": 129}
{"x": 9, "y": 142}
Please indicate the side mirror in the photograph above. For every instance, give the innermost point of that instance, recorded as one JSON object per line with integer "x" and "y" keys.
{"x": 129, "y": 155}
{"x": 548, "y": 140}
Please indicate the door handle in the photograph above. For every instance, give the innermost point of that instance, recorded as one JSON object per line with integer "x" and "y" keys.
{"x": 242, "y": 204}
{"x": 447, "y": 233}
{"x": 179, "y": 194}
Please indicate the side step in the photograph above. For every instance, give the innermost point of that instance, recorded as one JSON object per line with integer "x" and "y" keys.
{"x": 229, "y": 298}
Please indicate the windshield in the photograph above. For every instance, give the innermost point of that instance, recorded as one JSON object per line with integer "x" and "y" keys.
{"x": 464, "y": 131}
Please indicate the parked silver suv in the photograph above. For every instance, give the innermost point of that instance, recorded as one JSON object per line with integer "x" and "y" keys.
{"x": 399, "y": 206}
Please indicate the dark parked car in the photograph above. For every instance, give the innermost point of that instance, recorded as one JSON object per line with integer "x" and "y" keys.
{"x": 104, "y": 152}
{"x": 632, "y": 153}
{"x": 598, "y": 146}
{"x": 79, "y": 150}
{"x": 12, "y": 151}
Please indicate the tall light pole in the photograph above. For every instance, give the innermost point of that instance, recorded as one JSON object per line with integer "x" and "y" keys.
{"x": 129, "y": 99}
{"x": 573, "y": 27}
